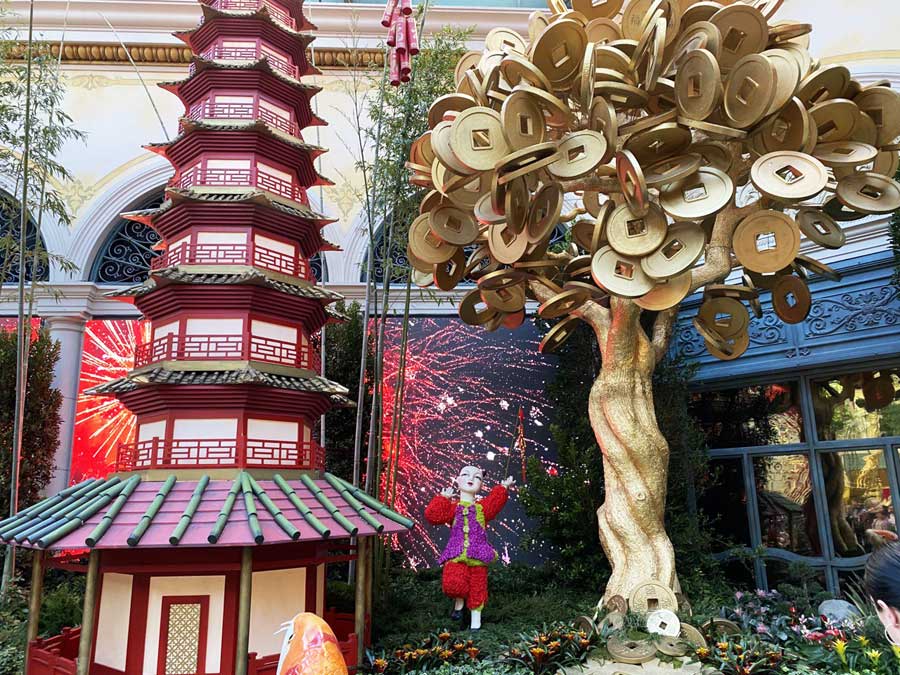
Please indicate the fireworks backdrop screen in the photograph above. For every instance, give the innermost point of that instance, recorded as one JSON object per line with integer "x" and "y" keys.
{"x": 464, "y": 389}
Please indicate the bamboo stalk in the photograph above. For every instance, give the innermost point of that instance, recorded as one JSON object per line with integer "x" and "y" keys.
{"x": 304, "y": 510}
{"x": 361, "y": 511}
{"x": 189, "y": 511}
{"x": 225, "y": 511}
{"x": 359, "y": 609}
{"x": 147, "y": 519}
{"x": 74, "y": 521}
{"x": 333, "y": 510}
{"x": 377, "y": 506}
{"x": 108, "y": 518}
{"x": 29, "y": 528}
{"x": 88, "y": 614}
{"x": 250, "y": 508}
{"x": 276, "y": 513}
{"x": 22, "y": 338}
{"x": 34, "y": 603}
{"x": 245, "y": 594}
{"x": 10, "y": 524}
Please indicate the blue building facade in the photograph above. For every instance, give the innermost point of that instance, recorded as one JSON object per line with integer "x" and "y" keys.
{"x": 804, "y": 430}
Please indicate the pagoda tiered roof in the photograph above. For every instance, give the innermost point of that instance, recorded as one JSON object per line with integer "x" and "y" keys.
{"x": 240, "y": 376}
{"x": 250, "y": 277}
{"x": 210, "y": 9}
{"x": 123, "y": 512}
{"x": 275, "y": 34}
{"x": 200, "y": 64}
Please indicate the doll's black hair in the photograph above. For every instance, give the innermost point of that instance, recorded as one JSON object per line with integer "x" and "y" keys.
{"x": 883, "y": 575}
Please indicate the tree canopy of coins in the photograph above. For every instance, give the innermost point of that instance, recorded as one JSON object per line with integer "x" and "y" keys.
{"x": 646, "y": 123}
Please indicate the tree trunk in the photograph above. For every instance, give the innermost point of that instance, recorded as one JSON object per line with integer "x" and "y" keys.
{"x": 635, "y": 458}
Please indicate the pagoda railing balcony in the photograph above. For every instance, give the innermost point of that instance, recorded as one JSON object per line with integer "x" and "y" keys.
{"x": 251, "y": 53}
{"x": 277, "y": 13}
{"x": 250, "y": 177}
{"x": 243, "y": 111}
{"x": 158, "y": 453}
{"x": 173, "y": 347}
{"x": 235, "y": 254}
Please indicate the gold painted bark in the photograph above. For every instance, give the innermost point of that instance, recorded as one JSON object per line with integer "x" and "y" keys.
{"x": 631, "y": 520}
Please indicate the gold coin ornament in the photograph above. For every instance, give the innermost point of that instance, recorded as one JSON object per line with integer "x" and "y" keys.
{"x": 663, "y": 622}
{"x": 626, "y": 650}
{"x": 650, "y": 596}
{"x": 661, "y": 129}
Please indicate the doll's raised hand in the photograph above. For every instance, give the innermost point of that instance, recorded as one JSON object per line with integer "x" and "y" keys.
{"x": 447, "y": 492}
{"x": 508, "y": 483}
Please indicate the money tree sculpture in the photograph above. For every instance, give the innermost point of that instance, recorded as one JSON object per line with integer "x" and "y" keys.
{"x": 698, "y": 138}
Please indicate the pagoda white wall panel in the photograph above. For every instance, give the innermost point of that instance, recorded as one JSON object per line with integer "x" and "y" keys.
{"x": 150, "y": 430}
{"x": 274, "y": 244}
{"x": 221, "y": 238}
{"x": 278, "y": 596}
{"x": 272, "y": 430}
{"x": 166, "y": 329}
{"x": 273, "y": 331}
{"x": 113, "y": 620}
{"x": 204, "y": 428}
{"x": 212, "y": 586}
{"x": 204, "y": 326}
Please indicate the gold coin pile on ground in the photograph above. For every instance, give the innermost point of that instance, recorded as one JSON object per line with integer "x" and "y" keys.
{"x": 652, "y": 115}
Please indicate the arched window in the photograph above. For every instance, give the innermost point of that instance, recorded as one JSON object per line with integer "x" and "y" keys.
{"x": 125, "y": 256}
{"x": 399, "y": 261}
{"x": 10, "y": 226}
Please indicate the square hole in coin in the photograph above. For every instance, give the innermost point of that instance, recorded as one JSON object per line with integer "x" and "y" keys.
{"x": 790, "y": 299}
{"x": 789, "y": 174}
{"x": 512, "y": 46}
{"x": 575, "y": 153}
{"x": 526, "y": 125}
{"x": 636, "y": 227}
{"x": 432, "y": 239}
{"x": 820, "y": 227}
{"x": 672, "y": 249}
{"x": 454, "y": 223}
{"x": 842, "y": 151}
{"x": 734, "y": 38}
{"x": 560, "y": 55}
{"x": 826, "y": 127}
{"x": 746, "y": 90}
{"x": 723, "y": 320}
{"x": 818, "y": 96}
{"x": 652, "y": 604}
{"x": 599, "y": 3}
{"x": 870, "y": 191}
{"x": 663, "y": 625}
{"x": 877, "y": 115}
{"x": 765, "y": 241}
{"x": 780, "y": 128}
{"x": 694, "y": 193}
{"x": 694, "y": 86}
{"x": 623, "y": 269}
{"x": 481, "y": 139}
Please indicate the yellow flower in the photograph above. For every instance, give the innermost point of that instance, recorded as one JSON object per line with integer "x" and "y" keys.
{"x": 863, "y": 640}
{"x": 840, "y": 648}
{"x": 702, "y": 652}
{"x": 722, "y": 645}
{"x": 896, "y": 651}
{"x": 443, "y": 637}
{"x": 874, "y": 655}
{"x": 380, "y": 665}
{"x": 473, "y": 652}
{"x": 458, "y": 646}
{"x": 446, "y": 654}
{"x": 554, "y": 646}
{"x": 537, "y": 652}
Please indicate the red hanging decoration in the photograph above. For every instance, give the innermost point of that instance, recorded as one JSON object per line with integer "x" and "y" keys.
{"x": 402, "y": 39}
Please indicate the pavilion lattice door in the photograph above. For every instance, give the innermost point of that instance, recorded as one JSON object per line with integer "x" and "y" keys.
{"x": 183, "y": 635}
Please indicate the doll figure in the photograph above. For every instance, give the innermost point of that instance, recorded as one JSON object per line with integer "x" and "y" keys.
{"x": 468, "y": 552}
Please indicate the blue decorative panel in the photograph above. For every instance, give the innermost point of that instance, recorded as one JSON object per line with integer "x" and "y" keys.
{"x": 853, "y": 319}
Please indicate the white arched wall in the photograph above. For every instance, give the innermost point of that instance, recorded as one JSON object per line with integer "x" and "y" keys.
{"x": 103, "y": 211}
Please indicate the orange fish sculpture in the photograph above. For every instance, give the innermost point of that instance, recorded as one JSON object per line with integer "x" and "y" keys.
{"x": 310, "y": 647}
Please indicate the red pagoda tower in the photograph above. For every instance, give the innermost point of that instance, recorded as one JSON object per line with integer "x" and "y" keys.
{"x": 220, "y": 519}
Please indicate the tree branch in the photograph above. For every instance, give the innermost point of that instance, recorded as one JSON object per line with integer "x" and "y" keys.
{"x": 718, "y": 263}
{"x": 663, "y": 325}
{"x": 594, "y": 183}
{"x": 592, "y": 313}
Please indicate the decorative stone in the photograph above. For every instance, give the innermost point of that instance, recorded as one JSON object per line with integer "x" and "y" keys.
{"x": 838, "y": 611}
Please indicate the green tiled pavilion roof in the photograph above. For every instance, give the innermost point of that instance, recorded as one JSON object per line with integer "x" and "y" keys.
{"x": 128, "y": 512}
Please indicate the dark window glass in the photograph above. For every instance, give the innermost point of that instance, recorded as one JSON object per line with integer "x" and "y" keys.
{"x": 749, "y": 416}
{"x": 723, "y": 500}
{"x": 859, "y": 500}
{"x": 787, "y": 513}
{"x": 796, "y": 580}
{"x": 859, "y": 405}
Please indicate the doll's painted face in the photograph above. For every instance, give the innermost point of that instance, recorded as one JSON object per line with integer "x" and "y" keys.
{"x": 470, "y": 480}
